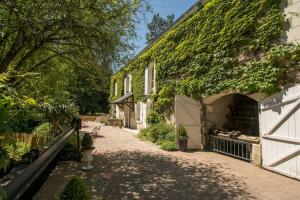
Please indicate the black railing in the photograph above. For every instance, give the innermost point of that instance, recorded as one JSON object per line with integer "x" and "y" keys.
{"x": 231, "y": 147}
{"x": 23, "y": 182}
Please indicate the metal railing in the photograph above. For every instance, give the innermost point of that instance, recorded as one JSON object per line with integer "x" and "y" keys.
{"x": 23, "y": 182}
{"x": 231, "y": 147}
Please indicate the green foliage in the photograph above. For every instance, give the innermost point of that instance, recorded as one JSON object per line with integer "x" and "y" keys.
{"x": 168, "y": 145}
{"x": 90, "y": 90}
{"x": 2, "y": 194}
{"x": 73, "y": 140}
{"x": 75, "y": 190}
{"x": 164, "y": 99}
{"x": 14, "y": 109}
{"x": 225, "y": 45}
{"x": 87, "y": 142}
{"x": 161, "y": 133}
{"x": 181, "y": 133}
{"x": 154, "y": 118}
{"x": 118, "y": 78}
{"x": 15, "y": 149}
{"x": 44, "y": 129}
{"x": 4, "y": 159}
{"x": 46, "y": 53}
{"x": 59, "y": 111}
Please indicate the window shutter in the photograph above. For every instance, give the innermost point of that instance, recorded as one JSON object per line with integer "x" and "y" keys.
{"x": 146, "y": 80}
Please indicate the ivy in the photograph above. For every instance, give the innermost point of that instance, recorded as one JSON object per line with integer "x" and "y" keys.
{"x": 227, "y": 44}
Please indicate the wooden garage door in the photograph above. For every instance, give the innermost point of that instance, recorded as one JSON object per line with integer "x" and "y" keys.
{"x": 280, "y": 132}
{"x": 187, "y": 113}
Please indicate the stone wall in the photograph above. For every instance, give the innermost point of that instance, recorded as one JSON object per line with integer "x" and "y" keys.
{"x": 291, "y": 8}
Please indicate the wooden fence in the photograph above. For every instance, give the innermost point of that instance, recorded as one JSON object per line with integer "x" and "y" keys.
{"x": 32, "y": 140}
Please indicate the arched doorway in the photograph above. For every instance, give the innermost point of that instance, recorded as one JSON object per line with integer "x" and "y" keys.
{"x": 233, "y": 124}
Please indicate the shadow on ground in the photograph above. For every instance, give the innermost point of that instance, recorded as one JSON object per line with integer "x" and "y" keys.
{"x": 138, "y": 175}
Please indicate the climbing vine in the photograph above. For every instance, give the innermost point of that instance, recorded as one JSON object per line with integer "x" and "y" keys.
{"x": 226, "y": 44}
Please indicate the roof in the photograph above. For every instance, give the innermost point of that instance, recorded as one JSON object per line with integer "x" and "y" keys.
{"x": 123, "y": 99}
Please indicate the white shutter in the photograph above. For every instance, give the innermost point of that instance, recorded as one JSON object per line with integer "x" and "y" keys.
{"x": 125, "y": 86}
{"x": 116, "y": 88}
{"x": 146, "y": 80}
{"x": 144, "y": 114}
{"x": 129, "y": 84}
{"x": 150, "y": 78}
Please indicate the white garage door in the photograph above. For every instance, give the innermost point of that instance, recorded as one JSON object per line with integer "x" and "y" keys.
{"x": 187, "y": 113}
{"x": 280, "y": 132}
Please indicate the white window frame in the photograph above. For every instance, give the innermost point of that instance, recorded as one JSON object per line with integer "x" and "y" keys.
{"x": 129, "y": 83}
{"x": 127, "y": 80}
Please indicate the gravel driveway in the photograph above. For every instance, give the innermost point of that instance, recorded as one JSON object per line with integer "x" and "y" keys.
{"x": 127, "y": 168}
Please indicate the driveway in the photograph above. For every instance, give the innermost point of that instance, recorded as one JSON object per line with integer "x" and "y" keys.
{"x": 127, "y": 168}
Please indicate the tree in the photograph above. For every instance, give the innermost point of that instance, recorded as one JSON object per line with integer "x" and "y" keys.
{"x": 47, "y": 46}
{"x": 157, "y": 26}
{"x": 90, "y": 90}
{"x": 33, "y": 33}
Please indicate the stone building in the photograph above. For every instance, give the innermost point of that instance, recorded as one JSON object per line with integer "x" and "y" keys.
{"x": 256, "y": 127}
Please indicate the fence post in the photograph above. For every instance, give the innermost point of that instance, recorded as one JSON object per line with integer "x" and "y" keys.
{"x": 78, "y": 127}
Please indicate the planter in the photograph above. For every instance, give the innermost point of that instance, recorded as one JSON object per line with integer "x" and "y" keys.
{"x": 87, "y": 157}
{"x": 182, "y": 144}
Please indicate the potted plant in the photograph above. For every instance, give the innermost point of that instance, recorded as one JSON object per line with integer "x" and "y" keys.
{"x": 182, "y": 138}
{"x": 87, "y": 147}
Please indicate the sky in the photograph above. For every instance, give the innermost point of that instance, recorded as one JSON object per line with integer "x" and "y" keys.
{"x": 164, "y": 8}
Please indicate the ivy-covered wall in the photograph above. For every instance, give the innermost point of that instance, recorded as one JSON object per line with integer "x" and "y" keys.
{"x": 227, "y": 44}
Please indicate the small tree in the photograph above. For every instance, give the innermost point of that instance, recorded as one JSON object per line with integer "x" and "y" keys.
{"x": 75, "y": 190}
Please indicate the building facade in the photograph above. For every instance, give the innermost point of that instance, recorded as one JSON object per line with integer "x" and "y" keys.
{"x": 257, "y": 124}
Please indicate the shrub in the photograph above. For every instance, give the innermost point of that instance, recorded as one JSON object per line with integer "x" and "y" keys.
{"x": 159, "y": 131}
{"x": 16, "y": 149}
{"x": 162, "y": 134}
{"x": 168, "y": 145}
{"x": 154, "y": 118}
{"x": 143, "y": 134}
{"x": 44, "y": 129}
{"x": 87, "y": 142}
{"x": 75, "y": 190}
{"x": 171, "y": 136}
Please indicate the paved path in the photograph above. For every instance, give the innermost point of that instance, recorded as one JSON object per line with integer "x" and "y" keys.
{"x": 127, "y": 168}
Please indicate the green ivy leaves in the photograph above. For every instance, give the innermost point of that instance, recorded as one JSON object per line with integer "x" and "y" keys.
{"x": 201, "y": 55}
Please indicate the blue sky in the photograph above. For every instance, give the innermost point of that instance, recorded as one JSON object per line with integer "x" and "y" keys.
{"x": 164, "y": 8}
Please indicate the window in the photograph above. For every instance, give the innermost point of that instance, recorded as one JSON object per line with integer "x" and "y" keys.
{"x": 146, "y": 80}
{"x": 149, "y": 79}
{"x": 138, "y": 111}
{"x": 127, "y": 84}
